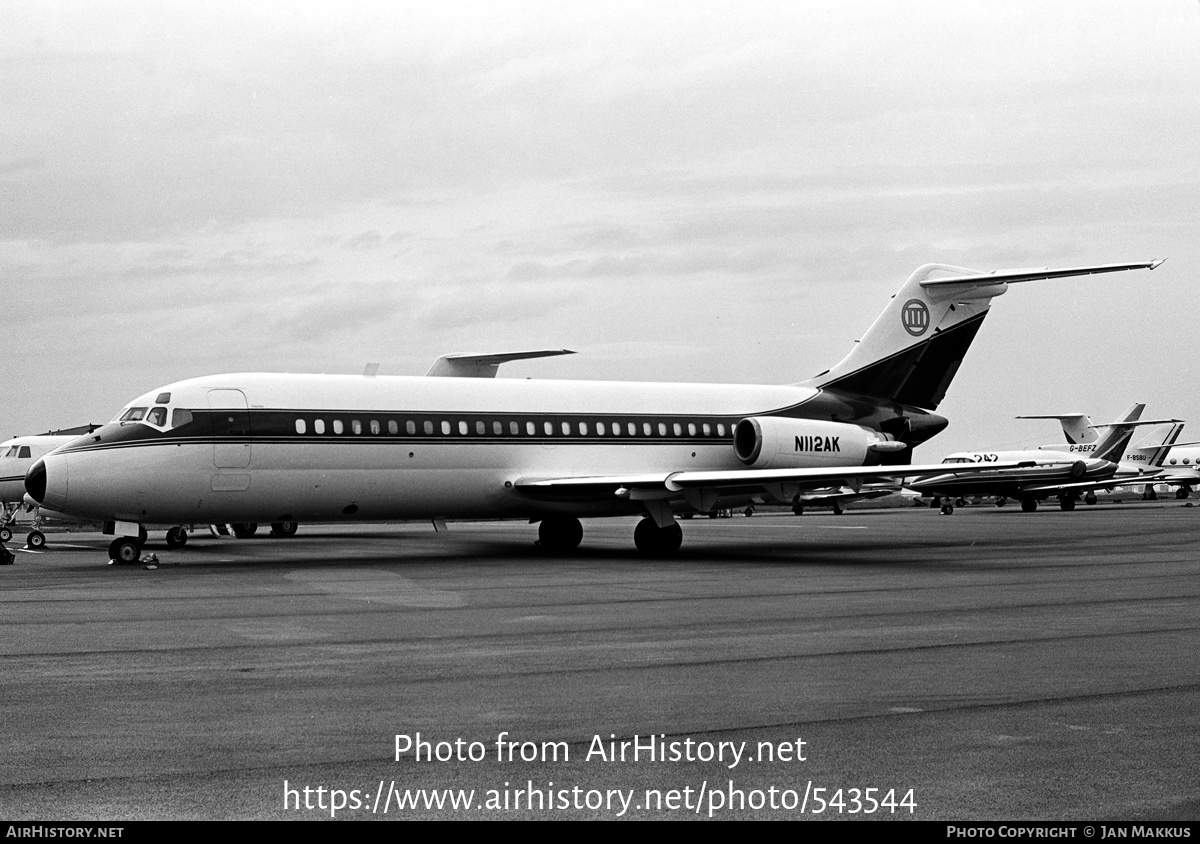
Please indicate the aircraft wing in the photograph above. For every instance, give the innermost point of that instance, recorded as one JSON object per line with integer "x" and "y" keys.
{"x": 485, "y": 366}
{"x": 1084, "y": 486}
{"x": 748, "y": 481}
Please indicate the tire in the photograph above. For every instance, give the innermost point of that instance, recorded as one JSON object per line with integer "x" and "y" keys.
{"x": 244, "y": 530}
{"x": 176, "y": 537}
{"x": 560, "y": 534}
{"x": 1066, "y": 503}
{"x": 653, "y": 541}
{"x": 36, "y": 540}
{"x": 125, "y": 550}
{"x": 284, "y": 528}
{"x": 798, "y": 509}
{"x": 1028, "y": 505}
{"x": 947, "y": 509}
{"x": 5, "y": 534}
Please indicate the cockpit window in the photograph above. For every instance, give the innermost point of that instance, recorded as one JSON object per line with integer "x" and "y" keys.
{"x": 24, "y": 452}
{"x": 157, "y": 416}
{"x": 12, "y": 451}
{"x": 134, "y": 414}
{"x": 163, "y": 398}
{"x": 956, "y": 460}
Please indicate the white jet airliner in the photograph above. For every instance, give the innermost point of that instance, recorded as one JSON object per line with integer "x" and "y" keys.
{"x": 261, "y": 447}
{"x": 16, "y": 457}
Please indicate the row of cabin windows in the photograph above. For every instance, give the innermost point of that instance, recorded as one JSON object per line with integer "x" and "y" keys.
{"x": 446, "y": 427}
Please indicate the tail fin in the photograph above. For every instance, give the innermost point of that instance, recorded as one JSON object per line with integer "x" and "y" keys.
{"x": 1077, "y": 427}
{"x": 913, "y": 349}
{"x": 1156, "y": 454}
{"x": 1113, "y": 439}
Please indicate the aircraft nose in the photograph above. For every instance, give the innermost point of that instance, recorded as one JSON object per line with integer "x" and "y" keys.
{"x": 35, "y": 481}
{"x": 47, "y": 485}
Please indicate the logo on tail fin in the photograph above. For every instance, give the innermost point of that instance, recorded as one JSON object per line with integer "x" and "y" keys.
{"x": 915, "y": 317}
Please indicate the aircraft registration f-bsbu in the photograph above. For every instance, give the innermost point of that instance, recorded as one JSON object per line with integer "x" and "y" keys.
{"x": 265, "y": 447}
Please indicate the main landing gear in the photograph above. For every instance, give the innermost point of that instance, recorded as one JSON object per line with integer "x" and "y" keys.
{"x": 560, "y": 534}
{"x": 1028, "y": 505}
{"x": 653, "y": 541}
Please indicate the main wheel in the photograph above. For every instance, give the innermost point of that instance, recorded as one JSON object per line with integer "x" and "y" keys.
{"x": 176, "y": 537}
{"x": 124, "y": 549}
{"x": 837, "y": 509}
{"x": 1181, "y": 493}
{"x": 947, "y": 509}
{"x": 35, "y": 540}
{"x": 749, "y": 511}
{"x": 560, "y": 533}
{"x": 244, "y": 530}
{"x": 5, "y": 534}
{"x": 653, "y": 541}
{"x": 1090, "y": 498}
{"x": 1001, "y": 501}
{"x": 798, "y": 509}
{"x": 1028, "y": 504}
{"x": 1067, "y": 502}
{"x": 284, "y": 528}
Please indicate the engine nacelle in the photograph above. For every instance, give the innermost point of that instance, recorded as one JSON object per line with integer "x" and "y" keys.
{"x": 774, "y": 442}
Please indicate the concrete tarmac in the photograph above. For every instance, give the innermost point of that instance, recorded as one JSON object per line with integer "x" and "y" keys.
{"x": 989, "y": 665}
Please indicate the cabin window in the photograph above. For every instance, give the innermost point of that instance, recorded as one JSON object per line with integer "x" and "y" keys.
{"x": 691, "y": 429}
{"x": 319, "y": 426}
{"x": 720, "y": 429}
{"x": 394, "y": 427}
{"x": 566, "y": 429}
{"x": 530, "y": 428}
{"x": 583, "y": 429}
{"x": 338, "y": 427}
{"x": 462, "y": 427}
{"x": 374, "y": 426}
{"x": 410, "y": 427}
{"x": 599, "y": 429}
{"x": 662, "y": 429}
{"x": 678, "y": 429}
{"x": 300, "y": 426}
{"x": 481, "y": 427}
{"x": 707, "y": 429}
{"x": 355, "y": 426}
{"x": 428, "y": 428}
{"x": 498, "y": 428}
{"x": 514, "y": 428}
{"x": 445, "y": 428}
{"x": 616, "y": 429}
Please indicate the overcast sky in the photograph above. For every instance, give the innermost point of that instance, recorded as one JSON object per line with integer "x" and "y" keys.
{"x": 679, "y": 191}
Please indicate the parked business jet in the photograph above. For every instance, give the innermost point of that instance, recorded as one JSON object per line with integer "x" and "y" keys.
{"x": 262, "y": 447}
{"x": 16, "y": 456}
{"x": 1081, "y": 468}
{"x": 1180, "y": 465}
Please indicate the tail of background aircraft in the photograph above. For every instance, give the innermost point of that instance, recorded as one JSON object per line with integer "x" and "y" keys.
{"x": 1077, "y": 427}
{"x": 1113, "y": 439}
{"x": 914, "y": 348}
{"x": 1155, "y": 454}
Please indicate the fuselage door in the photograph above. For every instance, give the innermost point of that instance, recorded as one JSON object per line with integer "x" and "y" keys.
{"x": 231, "y": 429}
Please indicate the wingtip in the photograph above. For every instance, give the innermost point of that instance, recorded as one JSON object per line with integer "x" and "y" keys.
{"x": 1154, "y": 265}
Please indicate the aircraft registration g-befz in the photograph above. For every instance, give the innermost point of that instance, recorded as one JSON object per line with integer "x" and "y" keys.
{"x": 272, "y": 448}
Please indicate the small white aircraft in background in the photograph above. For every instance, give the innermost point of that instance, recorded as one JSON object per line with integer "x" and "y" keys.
{"x": 16, "y": 457}
{"x": 269, "y": 447}
{"x": 1080, "y": 471}
{"x": 1180, "y": 464}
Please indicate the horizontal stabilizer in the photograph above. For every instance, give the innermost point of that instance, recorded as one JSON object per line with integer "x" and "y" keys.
{"x": 484, "y": 366}
{"x": 1037, "y": 274}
